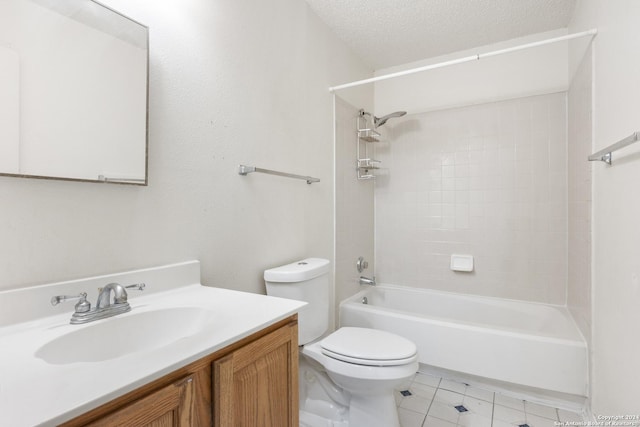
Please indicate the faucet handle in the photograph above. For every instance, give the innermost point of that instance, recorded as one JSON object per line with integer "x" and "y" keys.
{"x": 361, "y": 264}
{"x": 137, "y": 286}
{"x": 82, "y": 306}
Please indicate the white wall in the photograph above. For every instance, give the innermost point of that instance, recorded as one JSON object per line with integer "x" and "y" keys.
{"x": 616, "y": 204}
{"x": 579, "y": 133}
{"x": 529, "y": 72}
{"x": 230, "y": 82}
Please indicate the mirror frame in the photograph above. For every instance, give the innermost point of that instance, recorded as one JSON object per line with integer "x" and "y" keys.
{"x": 101, "y": 179}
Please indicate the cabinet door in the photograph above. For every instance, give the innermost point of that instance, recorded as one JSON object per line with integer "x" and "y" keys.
{"x": 257, "y": 385}
{"x": 171, "y": 406}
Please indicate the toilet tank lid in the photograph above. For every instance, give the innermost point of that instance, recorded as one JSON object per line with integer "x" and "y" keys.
{"x": 298, "y": 271}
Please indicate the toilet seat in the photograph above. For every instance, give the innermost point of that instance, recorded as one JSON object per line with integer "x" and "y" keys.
{"x": 368, "y": 347}
{"x": 368, "y": 362}
{"x": 359, "y": 371}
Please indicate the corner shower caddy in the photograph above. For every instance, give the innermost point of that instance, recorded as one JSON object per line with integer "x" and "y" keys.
{"x": 366, "y": 135}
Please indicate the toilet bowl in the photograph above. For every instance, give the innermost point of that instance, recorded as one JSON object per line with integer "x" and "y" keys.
{"x": 366, "y": 365}
{"x": 369, "y": 364}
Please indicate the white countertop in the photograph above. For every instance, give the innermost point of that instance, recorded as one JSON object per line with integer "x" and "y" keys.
{"x": 34, "y": 392}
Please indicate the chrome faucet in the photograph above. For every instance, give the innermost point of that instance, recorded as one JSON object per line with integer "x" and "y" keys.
{"x": 367, "y": 281}
{"x": 104, "y": 307}
{"x": 104, "y": 297}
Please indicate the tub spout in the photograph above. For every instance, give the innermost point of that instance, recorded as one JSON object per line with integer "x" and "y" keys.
{"x": 367, "y": 281}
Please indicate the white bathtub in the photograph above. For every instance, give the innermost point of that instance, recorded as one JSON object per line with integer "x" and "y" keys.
{"x": 531, "y": 344}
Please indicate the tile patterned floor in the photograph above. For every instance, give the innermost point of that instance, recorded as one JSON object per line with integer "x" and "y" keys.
{"x": 438, "y": 402}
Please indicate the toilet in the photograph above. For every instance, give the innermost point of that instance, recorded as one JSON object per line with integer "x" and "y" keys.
{"x": 363, "y": 365}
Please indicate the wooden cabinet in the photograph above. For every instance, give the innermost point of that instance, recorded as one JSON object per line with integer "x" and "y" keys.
{"x": 257, "y": 384}
{"x": 253, "y": 382}
{"x": 171, "y": 406}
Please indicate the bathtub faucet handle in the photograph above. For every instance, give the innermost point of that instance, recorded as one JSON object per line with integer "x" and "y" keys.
{"x": 367, "y": 281}
{"x": 361, "y": 264}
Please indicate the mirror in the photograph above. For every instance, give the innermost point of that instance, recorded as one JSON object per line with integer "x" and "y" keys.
{"x": 73, "y": 92}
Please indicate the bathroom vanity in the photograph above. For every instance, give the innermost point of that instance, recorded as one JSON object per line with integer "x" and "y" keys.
{"x": 251, "y": 382}
{"x": 185, "y": 355}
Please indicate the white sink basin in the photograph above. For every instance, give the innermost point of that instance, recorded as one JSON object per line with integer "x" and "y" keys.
{"x": 125, "y": 334}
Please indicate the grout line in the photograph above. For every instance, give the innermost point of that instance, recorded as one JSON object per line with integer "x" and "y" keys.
{"x": 493, "y": 407}
{"x": 432, "y": 399}
{"x": 431, "y": 402}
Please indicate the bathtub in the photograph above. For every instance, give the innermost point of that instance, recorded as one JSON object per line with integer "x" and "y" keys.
{"x": 531, "y": 344}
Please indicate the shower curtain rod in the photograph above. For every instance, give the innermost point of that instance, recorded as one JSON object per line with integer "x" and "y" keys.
{"x": 476, "y": 57}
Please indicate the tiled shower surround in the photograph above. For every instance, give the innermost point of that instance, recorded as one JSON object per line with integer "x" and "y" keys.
{"x": 487, "y": 180}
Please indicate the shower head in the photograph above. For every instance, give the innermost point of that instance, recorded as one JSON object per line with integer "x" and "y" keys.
{"x": 379, "y": 121}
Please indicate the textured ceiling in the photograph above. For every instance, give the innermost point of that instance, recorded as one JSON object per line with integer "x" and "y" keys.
{"x": 393, "y": 32}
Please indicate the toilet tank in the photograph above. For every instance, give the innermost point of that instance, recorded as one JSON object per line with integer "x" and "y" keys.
{"x": 306, "y": 280}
